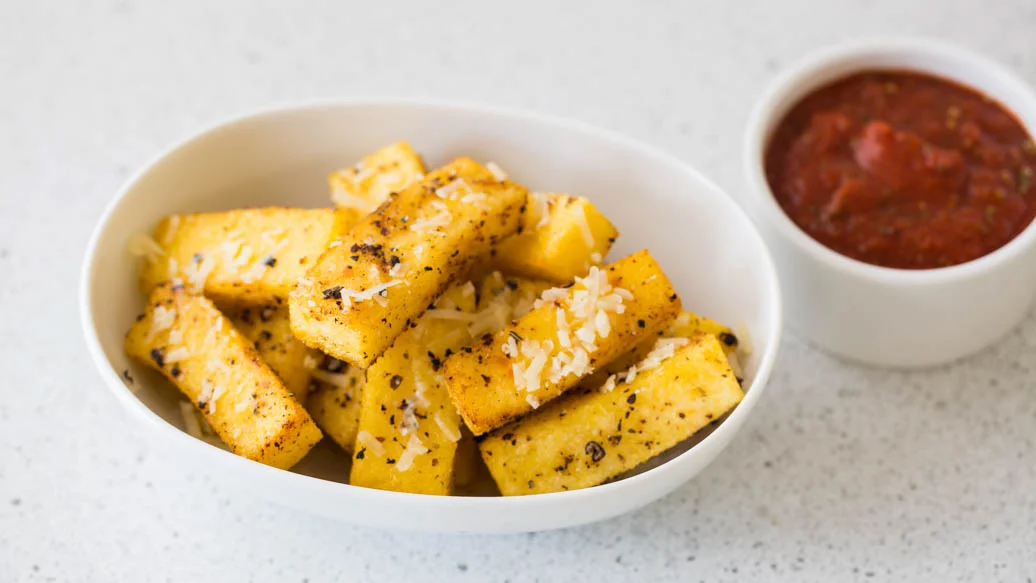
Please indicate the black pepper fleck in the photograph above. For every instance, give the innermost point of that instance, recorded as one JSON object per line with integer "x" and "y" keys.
{"x": 594, "y": 450}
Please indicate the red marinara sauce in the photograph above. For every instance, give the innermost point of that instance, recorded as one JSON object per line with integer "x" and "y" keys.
{"x": 904, "y": 170}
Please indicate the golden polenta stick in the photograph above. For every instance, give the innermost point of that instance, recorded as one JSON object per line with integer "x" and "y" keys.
{"x": 385, "y": 271}
{"x": 684, "y": 326}
{"x": 368, "y": 183}
{"x": 409, "y": 429}
{"x": 335, "y": 401}
{"x": 268, "y": 329}
{"x": 593, "y": 434}
{"x": 190, "y": 342}
{"x": 561, "y": 238}
{"x": 248, "y": 255}
{"x": 573, "y": 331}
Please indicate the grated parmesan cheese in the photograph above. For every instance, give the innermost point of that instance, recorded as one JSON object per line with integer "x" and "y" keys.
{"x": 197, "y": 273}
{"x": 541, "y": 202}
{"x": 497, "y": 171}
{"x": 342, "y": 197}
{"x": 398, "y": 270}
{"x": 377, "y": 293}
{"x": 370, "y": 442}
{"x": 141, "y": 245}
{"x": 453, "y": 189}
{"x": 216, "y": 393}
{"x": 582, "y": 316}
{"x": 176, "y": 355}
{"x": 663, "y": 350}
{"x": 440, "y": 220}
{"x": 162, "y": 318}
{"x": 360, "y": 174}
{"x": 584, "y": 226}
{"x": 336, "y": 379}
{"x": 414, "y": 448}
{"x": 170, "y": 233}
{"x": 448, "y": 429}
{"x": 441, "y": 314}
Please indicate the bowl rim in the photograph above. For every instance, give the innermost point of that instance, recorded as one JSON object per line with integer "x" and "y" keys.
{"x": 808, "y": 74}
{"x": 205, "y": 452}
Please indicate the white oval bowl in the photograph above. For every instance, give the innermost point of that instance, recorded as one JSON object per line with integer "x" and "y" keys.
{"x": 708, "y": 247}
{"x": 878, "y": 315}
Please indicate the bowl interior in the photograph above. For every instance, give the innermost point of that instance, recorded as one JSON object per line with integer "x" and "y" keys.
{"x": 707, "y": 246}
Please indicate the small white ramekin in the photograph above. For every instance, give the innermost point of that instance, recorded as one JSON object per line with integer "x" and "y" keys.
{"x": 878, "y": 315}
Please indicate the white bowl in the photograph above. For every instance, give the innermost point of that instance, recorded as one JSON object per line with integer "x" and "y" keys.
{"x": 703, "y": 240}
{"x": 878, "y": 315}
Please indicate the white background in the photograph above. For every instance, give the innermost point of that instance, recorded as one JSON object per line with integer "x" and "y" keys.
{"x": 843, "y": 473}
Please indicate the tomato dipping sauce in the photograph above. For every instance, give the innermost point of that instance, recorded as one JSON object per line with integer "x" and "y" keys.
{"x": 904, "y": 170}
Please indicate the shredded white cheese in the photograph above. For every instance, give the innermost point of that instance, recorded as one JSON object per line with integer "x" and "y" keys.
{"x": 455, "y": 188}
{"x": 141, "y": 245}
{"x": 370, "y": 442}
{"x": 176, "y": 355}
{"x": 496, "y": 170}
{"x": 542, "y": 207}
{"x": 583, "y": 316}
{"x": 216, "y": 392}
{"x": 448, "y": 429}
{"x": 175, "y": 336}
{"x": 360, "y": 173}
{"x": 398, "y": 270}
{"x": 342, "y": 197}
{"x": 339, "y": 379}
{"x": 377, "y": 293}
{"x": 170, "y": 232}
{"x": 414, "y": 448}
{"x": 162, "y": 318}
{"x": 441, "y": 314}
{"x": 440, "y": 220}
{"x": 584, "y": 226}
{"x": 197, "y": 273}
{"x": 663, "y": 350}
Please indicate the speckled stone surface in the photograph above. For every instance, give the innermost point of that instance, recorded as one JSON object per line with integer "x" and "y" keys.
{"x": 843, "y": 473}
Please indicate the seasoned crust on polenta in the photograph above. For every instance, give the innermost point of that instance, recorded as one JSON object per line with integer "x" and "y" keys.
{"x": 572, "y": 332}
{"x": 247, "y": 255}
{"x": 371, "y": 180}
{"x": 383, "y": 273}
{"x": 595, "y": 433}
{"x": 187, "y": 339}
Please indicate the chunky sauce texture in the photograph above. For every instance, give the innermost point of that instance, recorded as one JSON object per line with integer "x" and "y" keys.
{"x": 904, "y": 170}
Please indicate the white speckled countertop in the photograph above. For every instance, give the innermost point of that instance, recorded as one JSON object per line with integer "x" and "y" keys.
{"x": 843, "y": 473}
